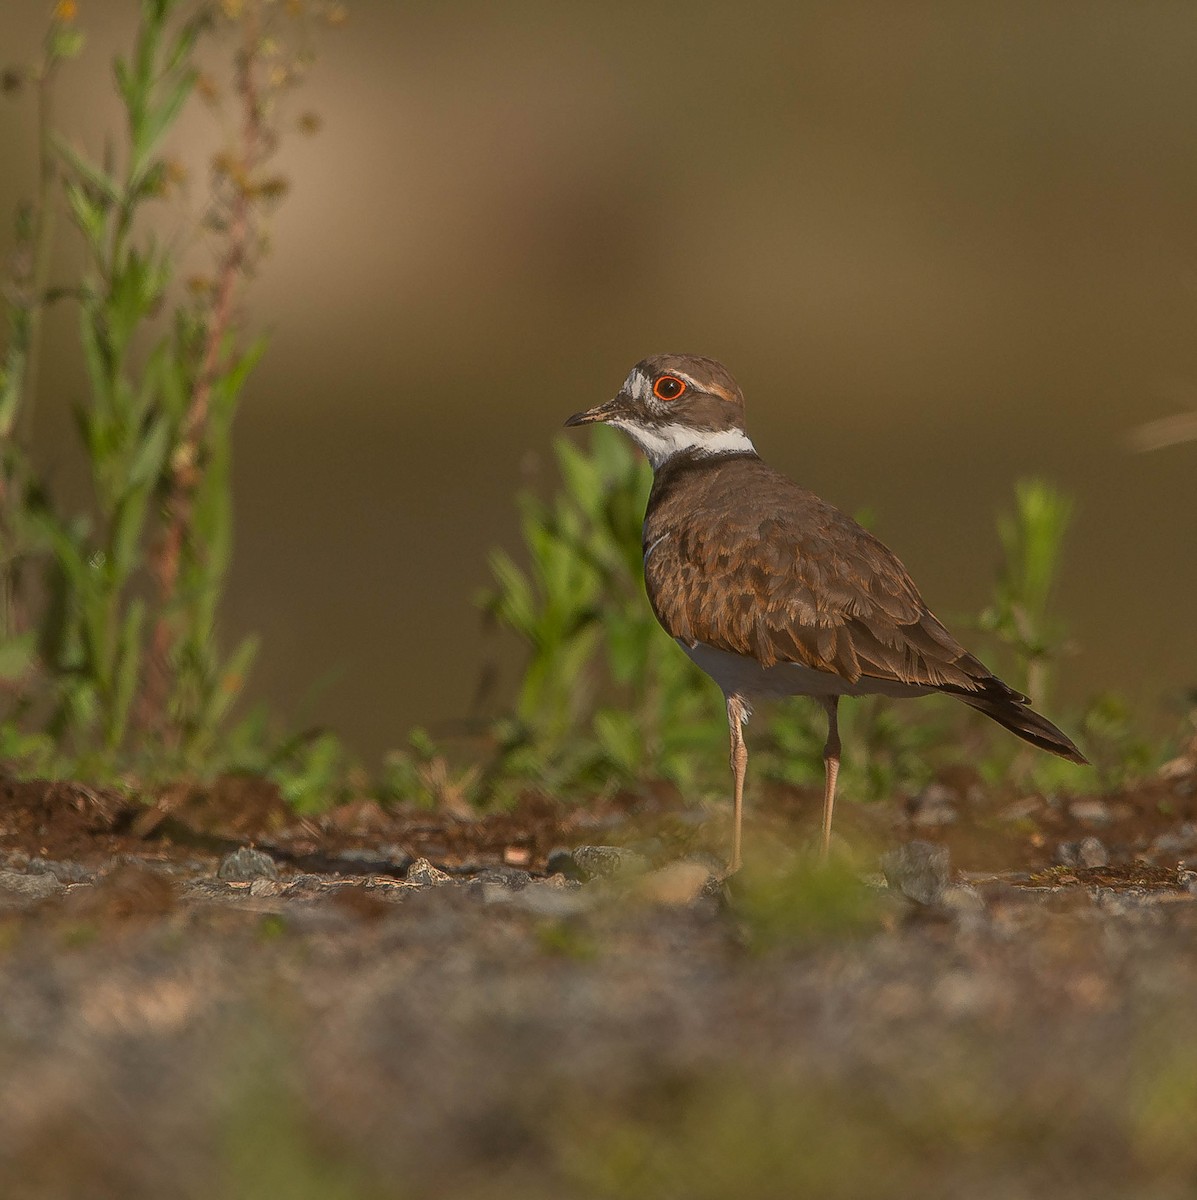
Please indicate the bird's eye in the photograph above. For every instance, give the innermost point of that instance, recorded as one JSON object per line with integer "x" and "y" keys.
{"x": 668, "y": 387}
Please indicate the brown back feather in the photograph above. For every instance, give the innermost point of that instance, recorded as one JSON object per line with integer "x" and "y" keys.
{"x": 765, "y": 568}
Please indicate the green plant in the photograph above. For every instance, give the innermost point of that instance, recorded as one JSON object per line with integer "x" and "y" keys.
{"x": 422, "y": 774}
{"x": 117, "y": 638}
{"x": 1032, "y": 539}
{"x": 888, "y": 746}
{"x": 1113, "y": 741}
{"x": 786, "y": 900}
{"x": 605, "y": 695}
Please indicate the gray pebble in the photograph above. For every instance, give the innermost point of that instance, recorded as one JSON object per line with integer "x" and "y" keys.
{"x": 1090, "y": 812}
{"x": 35, "y": 887}
{"x": 965, "y": 904}
{"x": 919, "y": 870}
{"x": 935, "y": 805}
{"x": 1092, "y": 853}
{"x": 422, "y": 872}
{"x": 508, "y": 877}
{"x": 1066, "y": 854}
{"x": 64, "y": 872}
{"x": 245, "y": 865}
{"x": 1178, "y": 841}
{"x": 606, "y": 862}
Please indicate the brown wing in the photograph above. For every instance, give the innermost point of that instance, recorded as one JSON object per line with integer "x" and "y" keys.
{"x": 742, "y": 559}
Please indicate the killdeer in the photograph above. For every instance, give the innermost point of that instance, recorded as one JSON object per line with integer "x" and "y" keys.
{"x": 772, "y": 591}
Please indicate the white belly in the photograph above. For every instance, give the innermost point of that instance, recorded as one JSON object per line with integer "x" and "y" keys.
{"x": 741, "y": 676}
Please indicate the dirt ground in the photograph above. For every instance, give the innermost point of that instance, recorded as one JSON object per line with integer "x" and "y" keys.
{"x": 984, "y": 996}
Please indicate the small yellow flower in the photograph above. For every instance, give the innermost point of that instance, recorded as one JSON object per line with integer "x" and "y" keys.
{"x": 65, "y": 11}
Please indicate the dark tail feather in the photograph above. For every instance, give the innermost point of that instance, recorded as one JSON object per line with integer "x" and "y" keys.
{"x": 1012, "y": 711}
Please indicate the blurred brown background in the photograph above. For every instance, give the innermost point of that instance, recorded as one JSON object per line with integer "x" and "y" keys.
{"x": 941, "y": 245}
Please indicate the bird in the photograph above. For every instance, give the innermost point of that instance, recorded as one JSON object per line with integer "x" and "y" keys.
{"x": 774, "y": 592}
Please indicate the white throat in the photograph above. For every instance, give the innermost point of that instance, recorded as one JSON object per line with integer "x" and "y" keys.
{"x": 662, "y": 442}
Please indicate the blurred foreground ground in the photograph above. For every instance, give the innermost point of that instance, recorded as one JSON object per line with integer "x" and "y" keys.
{"x": 396, "y": 1004}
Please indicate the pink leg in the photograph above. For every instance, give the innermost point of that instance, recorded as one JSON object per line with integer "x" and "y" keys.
{"x": 737, "y": 714}
{"x": 831, "y": 769}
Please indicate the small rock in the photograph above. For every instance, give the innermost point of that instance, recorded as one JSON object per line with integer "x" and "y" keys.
{"x": 606, "y": 862}
{"x": 245, "y": 865}
{"x": 964, "y": 903}
{"x": 1020, "y": 810}
{"x": 35, "y": 887}
{"x": 676, "y": 885}
{"x": 508, "y": 877}
{"x": 1090, "y": 812}
{"x": 1183, "y": 767}
{"x": 64, "y": 872}
{"x": 934, "y": 806}
{"x": 1092, "y": 853}
{"x": 424, "y": 874}
{"x": 1066, "y": 854}
{"x": 1176, "y": 841}
{"x": 307, "y": 882}
{"x": 919, "y": 870}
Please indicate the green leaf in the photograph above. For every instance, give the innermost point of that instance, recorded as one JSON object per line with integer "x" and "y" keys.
{"x": 10, "y": 390}
{"x": 90, "y": 175}
{"x": 88, "y": 216}
{"x": 184, "y": 43}
{"x": 97, "y": 350}
{"x": 619, "y": 736}
{"x": 128, "y": 669}
{"x": 153, "y": 127}
{"x": 150, "y": 459}
{"x": 230, "y": 683}
{"x": 515, "y": 604}
{"x": 581, "y": 476}
{"x": 127, "y": 530}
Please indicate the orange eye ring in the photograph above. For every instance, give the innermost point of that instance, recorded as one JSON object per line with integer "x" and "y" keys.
{"x": 668, "y": 387}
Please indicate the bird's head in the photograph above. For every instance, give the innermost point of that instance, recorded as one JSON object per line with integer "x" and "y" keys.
{"x": 674, "y": 404}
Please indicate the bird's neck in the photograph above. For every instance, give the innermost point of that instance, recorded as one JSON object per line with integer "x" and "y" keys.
{"x": 665, "y": 443}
